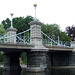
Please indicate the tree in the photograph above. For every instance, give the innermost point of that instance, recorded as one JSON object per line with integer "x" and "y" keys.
{"x": 51, "y": 30}
{"x": 64, "y": 37}
{"x": 70, "y": 30}
{"x": 2, "y": 30}
{"x": 6, "y": 23}
{"x": 24, "y": 57}
{"x": 19, "y": 23}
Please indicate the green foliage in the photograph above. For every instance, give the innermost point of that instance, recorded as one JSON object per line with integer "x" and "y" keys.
{"x": 6, "y": 23}
{"x": 64, "y": 37}
{"x": 1, "y": 57}
{"x": 24, "y": 58}
{"x": 2, "y": 30}
{"x": 1, "y": 63}
{"x": 53, "y": 31}
{"x": 19, "y": 23}
{"x": 70, "y": 30}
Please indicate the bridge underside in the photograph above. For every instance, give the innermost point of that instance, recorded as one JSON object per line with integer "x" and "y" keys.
{"x": 11, "y": 61}
{"x": 61, "y": 59}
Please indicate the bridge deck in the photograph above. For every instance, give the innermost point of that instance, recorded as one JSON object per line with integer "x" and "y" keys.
{"x": 15, "y": 47}
{"x": 59, "y": 48}
{"x": 27, "y": 47}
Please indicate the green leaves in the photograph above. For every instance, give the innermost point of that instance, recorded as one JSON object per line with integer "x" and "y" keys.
{"x": 2, "y": 30}
{"x": 19, "y": 23}
{"x": 53, "y": 31}
{"x": 70, "y": 30}
{"x": 6, "y": 23}
{"x": 64, "y": 37}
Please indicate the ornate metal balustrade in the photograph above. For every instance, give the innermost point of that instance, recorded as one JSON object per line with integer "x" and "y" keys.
{"x": 24, "y": 38}
{"x": 21, "y": 38}
{"x": 47, "y": 41}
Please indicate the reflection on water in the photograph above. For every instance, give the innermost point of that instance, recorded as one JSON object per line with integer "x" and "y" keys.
{"x": 42, "y": 73}
{"x": 11, "y": 73}
{"x": 1, "y": 72}
{"x": 48, "y": 72}
{"x": 63, "y": 72}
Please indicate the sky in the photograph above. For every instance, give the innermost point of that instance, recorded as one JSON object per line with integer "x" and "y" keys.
{"x": 61, "y": 12}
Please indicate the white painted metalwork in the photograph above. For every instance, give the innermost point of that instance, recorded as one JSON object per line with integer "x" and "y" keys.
{"x": 47, "y": 41}
{"x": 11, "y": 20}
{"x": 21, "y": 38}
{"x": 35, "y": 10}
{"x": 24, "y": 38}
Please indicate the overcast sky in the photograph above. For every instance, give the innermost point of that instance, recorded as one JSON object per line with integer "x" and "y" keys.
{"x": 61, "y": 12}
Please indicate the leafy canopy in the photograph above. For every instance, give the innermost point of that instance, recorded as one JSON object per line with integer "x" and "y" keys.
{"x": 53, "y": 31}
{"x": 70, "y": 30}
{"x": 2, "y": 30}
{"x": 19, "y": 23}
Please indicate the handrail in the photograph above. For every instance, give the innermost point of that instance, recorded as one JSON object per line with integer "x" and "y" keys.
{"x": 48, "y": 37}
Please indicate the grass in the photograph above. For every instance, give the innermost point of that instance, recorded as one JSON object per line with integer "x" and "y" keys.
{"x": 1, "y": 63}
{"x": 24, "y": 62}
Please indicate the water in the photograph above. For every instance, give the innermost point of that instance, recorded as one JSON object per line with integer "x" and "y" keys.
{"x": 48, "y": 72}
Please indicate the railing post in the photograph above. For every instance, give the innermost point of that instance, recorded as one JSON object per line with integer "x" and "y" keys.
{"x": 61, "y": 43}
{"x": 58, "y": 41}
{"x": 28, "y": 37}
{"x": 51, "y": 42}
{"x": 24, "y": 38}
{"x": 73, "y": 44}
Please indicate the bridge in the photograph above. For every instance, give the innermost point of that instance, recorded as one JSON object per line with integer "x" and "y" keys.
{"x": 42, "y": 51}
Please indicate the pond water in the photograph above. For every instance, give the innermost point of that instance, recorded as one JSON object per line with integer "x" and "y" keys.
{"x": 48, "y": 72}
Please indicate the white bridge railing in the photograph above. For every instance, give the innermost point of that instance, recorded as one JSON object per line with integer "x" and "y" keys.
{"x": 21, "y": 38}
{"x": 47, "y": 41}
{"x": 24, "y": 38}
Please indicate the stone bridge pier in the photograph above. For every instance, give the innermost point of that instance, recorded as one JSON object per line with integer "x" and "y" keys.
{"x": 11, "y": 57}
{"x": 36, "y": 57}
{"x": 11, "y": 61}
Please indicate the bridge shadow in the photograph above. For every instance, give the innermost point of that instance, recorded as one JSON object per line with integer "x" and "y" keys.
{"x": 11, "y": 72}
{"x": 48, "y": 72}
{"x": 23, "y": 72}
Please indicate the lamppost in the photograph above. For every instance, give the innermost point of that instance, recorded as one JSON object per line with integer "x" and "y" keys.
{"x": 35, "y": 10}
{"x": 11, "y": 20}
